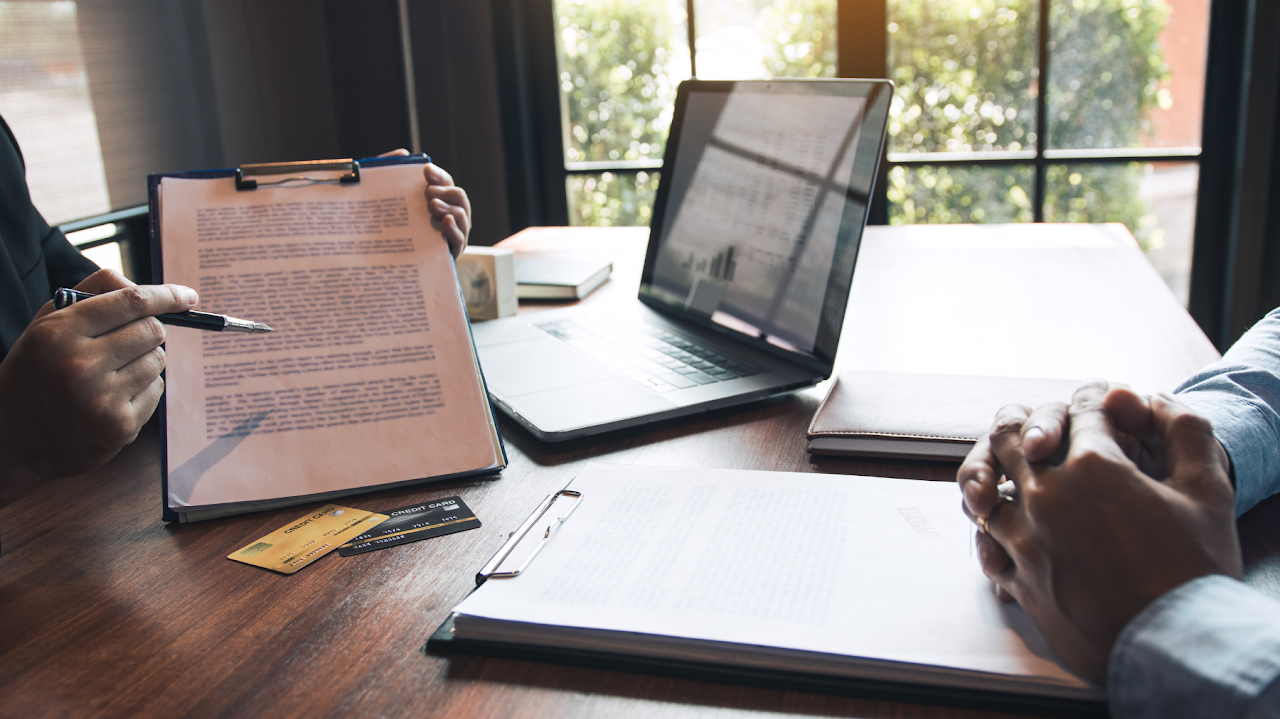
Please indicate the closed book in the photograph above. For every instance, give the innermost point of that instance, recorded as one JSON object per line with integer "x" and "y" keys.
{"x": 920, "y": 416}
{"x": 559, "y": 275}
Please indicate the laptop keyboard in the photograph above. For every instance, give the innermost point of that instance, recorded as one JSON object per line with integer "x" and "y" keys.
{"x": 649, "y": 355}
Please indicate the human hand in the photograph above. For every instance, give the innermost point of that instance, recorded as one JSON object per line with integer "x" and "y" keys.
{"x": 449, "y": 205}
{"x": 80, "y": 382}
{"x": 450, "y": 208}
{"x": 1089, "y": 542}
{"x": 1041, "y": 432}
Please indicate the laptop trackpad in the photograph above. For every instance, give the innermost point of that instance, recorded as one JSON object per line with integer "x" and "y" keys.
{"x": 589, "y": 405}
{"x": 519, "y": 368}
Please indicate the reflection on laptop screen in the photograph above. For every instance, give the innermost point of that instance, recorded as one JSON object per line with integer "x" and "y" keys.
{"x": 757, "y": 199}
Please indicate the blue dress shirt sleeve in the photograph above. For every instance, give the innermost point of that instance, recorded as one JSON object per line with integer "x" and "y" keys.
{"x": 1240, "y": 396}
{"x": 1211, "y": 647}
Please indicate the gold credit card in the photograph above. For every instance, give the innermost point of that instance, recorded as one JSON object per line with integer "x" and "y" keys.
{"x": 307, "y": 539}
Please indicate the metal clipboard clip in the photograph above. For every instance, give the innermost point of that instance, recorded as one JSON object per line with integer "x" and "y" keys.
{"x": 489, "y": 571}
{"x": 244, "y": 172}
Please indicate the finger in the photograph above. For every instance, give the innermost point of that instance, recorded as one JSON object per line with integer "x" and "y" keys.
{"x": 1043, "y": 431}
{"x": 440, "y": 211}
{"x": 462, "y": 220}
{"x": 104, "y": 313}
{"x": 123, "y": 345}
{"x": 452, "y": 197}
{"x": 1003, "y": 595}
{"x": 139, "y": 374}
{"x": 440, "y": 208}
{"x": 1006, "y": 442}
{"x": 978, "y": 476}
{"x": 145, "y": 402}
{"x": 1007, "y": 522}
{"x": 398, "y": 152}
{"x": 436, "y": 175}
{"x": 1132, "y": 417}
{"x": 457, "y": 241}
{"x": 451, "y": 194}
{"x": 993, "y": 558}
{"x": 1130, "y": 413}
{"x": 1091, "y": 428}
{"x": 103, "y": 281}
{"x": 1196, "y": 461}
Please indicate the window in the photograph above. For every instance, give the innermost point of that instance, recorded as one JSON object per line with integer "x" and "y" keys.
{"x": 620, "y": 61}
{"x": 44, "y": 98}
{"x": 1115, "y": 138}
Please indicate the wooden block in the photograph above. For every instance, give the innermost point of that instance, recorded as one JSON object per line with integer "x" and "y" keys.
{"x": 488, "y": 279}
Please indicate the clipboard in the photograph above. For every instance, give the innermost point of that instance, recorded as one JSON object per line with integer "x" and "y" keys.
{"x": 444, "y": 643}
{"x": 542, "y": 526}
{"x": 248, "y": 178}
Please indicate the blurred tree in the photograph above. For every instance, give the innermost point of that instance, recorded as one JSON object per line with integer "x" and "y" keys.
{"x": 799, "y": 38}
{"x": 967, "y": 81}
{"x": 620, "y": 63}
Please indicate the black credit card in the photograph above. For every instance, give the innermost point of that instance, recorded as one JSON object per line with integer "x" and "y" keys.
{"x": 413, "y": 523}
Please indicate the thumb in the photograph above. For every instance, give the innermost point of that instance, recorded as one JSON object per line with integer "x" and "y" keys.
{"x": 1196, "y": 462}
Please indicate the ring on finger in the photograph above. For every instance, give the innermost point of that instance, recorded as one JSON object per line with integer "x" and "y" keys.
{"x": 1007, "y": 491}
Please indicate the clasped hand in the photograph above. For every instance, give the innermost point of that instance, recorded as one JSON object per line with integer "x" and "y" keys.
{"x": 1119, "y": 499}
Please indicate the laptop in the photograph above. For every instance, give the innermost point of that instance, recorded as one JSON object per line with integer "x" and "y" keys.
{"x": 759, "y": 214}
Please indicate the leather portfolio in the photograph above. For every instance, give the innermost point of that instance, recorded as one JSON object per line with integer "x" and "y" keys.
{"x": 923, "y": 416}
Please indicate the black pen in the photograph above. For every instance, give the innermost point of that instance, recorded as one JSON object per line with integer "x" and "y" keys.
{"x": 195, "y": 320}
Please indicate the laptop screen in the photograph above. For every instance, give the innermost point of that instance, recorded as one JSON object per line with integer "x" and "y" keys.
{"x": 761, "y": 206}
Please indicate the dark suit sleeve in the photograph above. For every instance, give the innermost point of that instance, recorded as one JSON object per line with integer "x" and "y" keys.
{"x": 34, "y": 257}
{"x": 64, "y": 264}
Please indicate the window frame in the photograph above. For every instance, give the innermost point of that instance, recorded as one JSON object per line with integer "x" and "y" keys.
{"x": 537, "y": 173}
{"x": 863, "y": 52}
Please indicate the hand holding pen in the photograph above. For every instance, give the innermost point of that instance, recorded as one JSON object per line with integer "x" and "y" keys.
{"x": 191, "y": 318}
{"x": 80, "y": 382}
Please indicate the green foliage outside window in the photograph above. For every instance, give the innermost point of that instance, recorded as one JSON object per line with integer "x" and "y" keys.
{"x": 620, "y": 63}
{"x": 612, "y": 199}
{"x": 799, "y": 38}
{"x": 966, "y": 82}
{"x": 961, "y": 193}
{"x": 966, "y": 75}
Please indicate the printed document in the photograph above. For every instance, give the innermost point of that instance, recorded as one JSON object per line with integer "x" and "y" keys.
{"x": 848, "y": 576}
{"x": 369, "y": 378}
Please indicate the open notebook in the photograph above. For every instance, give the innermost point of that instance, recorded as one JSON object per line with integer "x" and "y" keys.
{"x": 806, "y": 576}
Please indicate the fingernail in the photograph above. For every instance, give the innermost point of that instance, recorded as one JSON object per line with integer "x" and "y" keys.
{"x": 1035, "y": 433}
{"x": 186, "y": 294}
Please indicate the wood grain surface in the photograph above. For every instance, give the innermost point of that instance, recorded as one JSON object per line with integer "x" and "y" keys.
{"x": 106, "y": 611}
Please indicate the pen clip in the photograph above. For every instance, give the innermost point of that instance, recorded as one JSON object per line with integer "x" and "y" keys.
{"x": 489, "y": 571}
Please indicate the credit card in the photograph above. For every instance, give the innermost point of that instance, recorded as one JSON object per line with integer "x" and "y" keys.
{"x": 413, "y": 523}
{"x": 307, "y": 539}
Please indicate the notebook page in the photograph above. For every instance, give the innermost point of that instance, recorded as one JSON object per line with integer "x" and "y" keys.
{"x": 856, "y": 566}
{"x": 369, "y": 377}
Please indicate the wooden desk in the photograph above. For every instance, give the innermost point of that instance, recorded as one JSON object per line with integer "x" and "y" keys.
{"x": 105, "y": 611}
